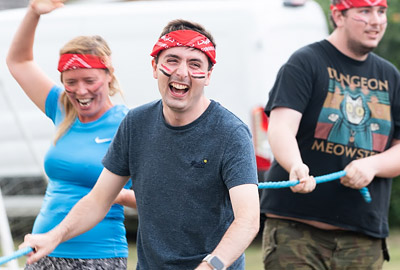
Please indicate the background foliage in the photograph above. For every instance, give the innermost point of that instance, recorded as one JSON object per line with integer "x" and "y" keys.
{"x": 389, "y": 48}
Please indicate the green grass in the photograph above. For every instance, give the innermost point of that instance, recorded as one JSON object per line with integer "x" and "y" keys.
{"x": 394, "y": 250}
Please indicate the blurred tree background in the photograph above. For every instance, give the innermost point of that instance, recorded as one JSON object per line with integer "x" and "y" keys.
{"x": 389, "y": 48}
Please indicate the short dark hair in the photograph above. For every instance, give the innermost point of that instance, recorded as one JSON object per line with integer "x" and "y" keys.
{"x": 334, "y": 3}
{"x": 180, "y": 24}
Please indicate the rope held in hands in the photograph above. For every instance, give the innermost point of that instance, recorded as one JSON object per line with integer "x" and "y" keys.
{"x": 15, "y": 255}
{"x": 319, "y": 179}
{"x": 264, "y": 185}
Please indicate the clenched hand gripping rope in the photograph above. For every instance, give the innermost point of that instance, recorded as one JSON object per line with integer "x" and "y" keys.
{"x": 15, "y": 255}
{"x": 319, "y": 179}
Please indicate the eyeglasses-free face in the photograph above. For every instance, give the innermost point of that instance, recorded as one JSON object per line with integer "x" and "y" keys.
{"x": 88, "y": 91}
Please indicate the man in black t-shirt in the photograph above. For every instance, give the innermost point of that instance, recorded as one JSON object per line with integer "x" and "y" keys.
{"x": 335, "y": 106}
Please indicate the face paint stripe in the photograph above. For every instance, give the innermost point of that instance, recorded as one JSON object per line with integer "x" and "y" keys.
{"x": 167, "y": 72}
{"x": 93, "y": 88}
{"x": 164, "y": 72}
{"x": 68, "y": 90}
{"x": 96, "y": 87}
{"x": 198, "y": 77}
{"x": 359, "y": 19}
{"x": 166, "y": 68}
{"x": 365, "y": 21}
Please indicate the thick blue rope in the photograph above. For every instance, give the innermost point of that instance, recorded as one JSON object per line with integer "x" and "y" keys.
{"x": 15, "y": 255}
{"x": 264, "y": 185}
{"x": 319, "y": 179}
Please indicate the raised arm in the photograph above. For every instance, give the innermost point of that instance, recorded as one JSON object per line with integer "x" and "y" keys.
{"x": 89, "y": 211}
{"x": 29, "y": 76}
{"x": 282, "y": 130}
{"x": 245, "y": 226}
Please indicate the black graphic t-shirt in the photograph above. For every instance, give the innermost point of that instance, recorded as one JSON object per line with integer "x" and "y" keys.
{"x": 350, "y": 110}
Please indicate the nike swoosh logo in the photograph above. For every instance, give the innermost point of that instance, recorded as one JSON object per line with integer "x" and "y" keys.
{"x": 98, "y": 140}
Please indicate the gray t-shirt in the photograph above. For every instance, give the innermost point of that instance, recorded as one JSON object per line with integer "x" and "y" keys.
{"x": 181, "y": 177}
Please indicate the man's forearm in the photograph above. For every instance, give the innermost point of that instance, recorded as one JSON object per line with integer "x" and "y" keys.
{"x": 387, "y": 161}
{"x": 282, "y": 132}
{"x": 245, "y": 226}
{"x": 236, "y": 239}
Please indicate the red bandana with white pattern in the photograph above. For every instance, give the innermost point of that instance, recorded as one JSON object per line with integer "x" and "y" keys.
{"x": 74, "y": 61}
{"x": 346, "y": 4}
{"x": 185, "y": 38}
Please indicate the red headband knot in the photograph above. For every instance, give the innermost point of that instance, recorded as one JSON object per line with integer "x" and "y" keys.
{"x": 74, "y": 61}
{"x": 186, "y": 38}
{"x": 346, "y": 4}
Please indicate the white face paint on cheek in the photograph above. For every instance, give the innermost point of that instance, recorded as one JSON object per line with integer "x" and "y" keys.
{"x": 165, "y": 70}
{"x": 198, "y": 75}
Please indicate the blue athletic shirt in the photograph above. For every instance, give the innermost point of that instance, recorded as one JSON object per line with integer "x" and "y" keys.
{"x": 73, "y": 166}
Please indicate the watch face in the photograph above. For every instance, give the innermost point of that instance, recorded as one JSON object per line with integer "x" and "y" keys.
{"x": 216, "y": 263}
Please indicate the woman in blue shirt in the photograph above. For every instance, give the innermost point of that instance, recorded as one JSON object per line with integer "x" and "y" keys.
{"x": 86, "y": 122}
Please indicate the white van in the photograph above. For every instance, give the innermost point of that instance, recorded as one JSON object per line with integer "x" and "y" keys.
{"x": 254, "y": 38}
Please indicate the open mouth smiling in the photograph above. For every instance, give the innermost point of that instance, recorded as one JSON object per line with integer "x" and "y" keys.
{"x": 85, "y": 102}
{"x": 178, "y": 89}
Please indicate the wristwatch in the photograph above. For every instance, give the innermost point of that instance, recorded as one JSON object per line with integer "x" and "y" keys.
{"x": 214, "y": 262}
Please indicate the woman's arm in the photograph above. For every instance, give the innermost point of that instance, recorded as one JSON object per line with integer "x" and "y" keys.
{"x": 86, "y": 213}
{"x": 29, "y": 76}
{"x": 126, "y": 198}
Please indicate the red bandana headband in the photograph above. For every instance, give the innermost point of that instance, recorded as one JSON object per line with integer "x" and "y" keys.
{"x": 346, "y": 4}
{"x": 74, "y": 61}
{"x": 186, "y": 38}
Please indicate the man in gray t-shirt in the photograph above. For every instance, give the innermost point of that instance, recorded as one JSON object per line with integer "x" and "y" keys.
{"x": 191, "y": 162}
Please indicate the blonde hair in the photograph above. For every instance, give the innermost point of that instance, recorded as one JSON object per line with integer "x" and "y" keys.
{"x": 94, "y": 45}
